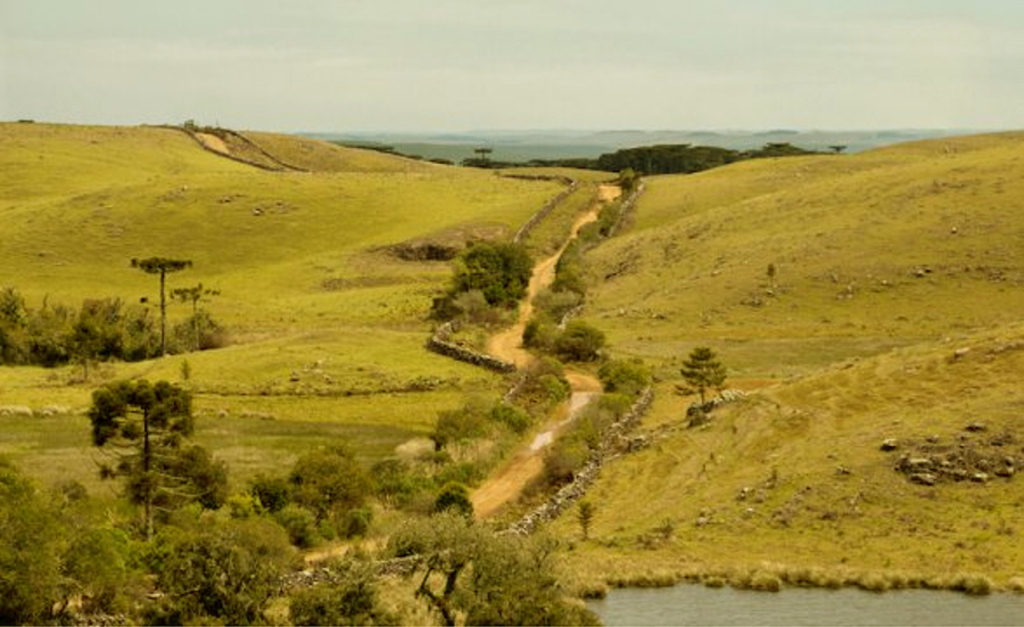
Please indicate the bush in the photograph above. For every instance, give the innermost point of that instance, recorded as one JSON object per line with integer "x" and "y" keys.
{"x": 329, "y": 482}
{"x": 272, "y": 493}
{"x": 357, "y": 522}
{"x": 517, "y": 420}
{"x": 557, "y": 304}
{"x": 458, "y": 425}
{"x": 351, "y": 599}
{"x": 500, "y": 271}
{"x": 454, "y": 498}
{"x": 29, "y": 558}
{"x": 625, "y": 376}
{"x": 579, "y": 342}
{"x": 97, "y": 561}
{"x": 300, "y": 524}
{"x": 224, "y": 570}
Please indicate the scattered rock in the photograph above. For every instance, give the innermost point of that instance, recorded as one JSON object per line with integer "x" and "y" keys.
{"x": 975, "y": 427}
{"x": 890, "y": 444}
{"x": 923, "y": 478}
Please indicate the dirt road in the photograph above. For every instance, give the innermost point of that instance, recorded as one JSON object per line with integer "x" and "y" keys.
{"x": 527, "y": 462}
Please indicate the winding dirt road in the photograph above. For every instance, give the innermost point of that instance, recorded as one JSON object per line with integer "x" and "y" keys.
{"x": 528, "y": 461}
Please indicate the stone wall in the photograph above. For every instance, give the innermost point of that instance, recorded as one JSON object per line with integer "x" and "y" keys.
{"x": 611, "y": 443}
{"x": 441, "y": 344}
{"x": 628, "y": 204}
{"x": 573, "y": 185}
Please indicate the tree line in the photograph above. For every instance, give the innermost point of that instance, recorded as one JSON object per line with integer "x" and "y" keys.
{"x": 105, "y": 329}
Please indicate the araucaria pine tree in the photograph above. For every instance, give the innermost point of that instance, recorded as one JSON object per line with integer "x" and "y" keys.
{"x": 161, "y": 266}
{"x": 143, "y": 425}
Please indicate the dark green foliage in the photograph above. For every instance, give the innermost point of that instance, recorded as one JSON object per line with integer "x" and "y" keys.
{"x": 501, "y": 271}
{"x": 459, "y": 425}
{"x": 199, "y": 332}
{"x": 357, "y": 522}
{"x": 570, "y": 452}
{"x": 544, "y": 386}
{"x": 625, "y": 376}
{"x": 702, "y": 371}
{"x": 273, "y": 493}
{"x": 144, "y": 425}
{"x": 350, "y": 599}
{"x": 329, "y": 482}
{"x": 212, "y": 569}
{"x": 491, "y": 580}
{"x": 301, "y": 525}
{"x": 579, "y": 342}
{"x": 30, "y": 540}
{"x": 540, "y": 334}
{"x": 517, "y": 420}
{"x": 119, "y": 408}
{"x": 454, "y": 498}
{"x": 97, "y": 567}
{"x": 104, "y": 329}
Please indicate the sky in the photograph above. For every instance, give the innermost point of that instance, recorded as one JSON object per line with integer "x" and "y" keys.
{"x": 461, "y": 65}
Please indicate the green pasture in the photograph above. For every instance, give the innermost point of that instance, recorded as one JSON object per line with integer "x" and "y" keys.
{"x": 873, "y": 250}
{"x": 327, "y": 330}
{"x": 793, "y": 478}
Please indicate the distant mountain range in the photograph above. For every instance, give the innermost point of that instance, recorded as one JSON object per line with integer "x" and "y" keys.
{"x": 557, "y": 144}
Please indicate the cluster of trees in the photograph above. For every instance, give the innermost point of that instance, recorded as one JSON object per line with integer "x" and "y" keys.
{"x": 673, "y": 158}
{"x": 487, "y": 275}
{"x": 194, "y": 554}
{"x": 107, "y": 328}
{"x": 103, "y": 329}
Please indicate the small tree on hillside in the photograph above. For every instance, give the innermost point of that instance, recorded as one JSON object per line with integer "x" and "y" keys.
{"x": 162, "y": 266}
{"x": 702, "y": 371}
{"x": 143, "y": 425}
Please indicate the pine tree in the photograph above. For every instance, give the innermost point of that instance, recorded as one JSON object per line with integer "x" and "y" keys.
{"x": 162, "y": 266}
{"x": 143, "y": 426}
{"x": 702, "y": 371}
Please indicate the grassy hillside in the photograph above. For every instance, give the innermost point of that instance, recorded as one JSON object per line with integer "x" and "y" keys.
{"x": 870, "y": 251}
{"x": 895, "y": 313}
{"x": 320, "y": 315}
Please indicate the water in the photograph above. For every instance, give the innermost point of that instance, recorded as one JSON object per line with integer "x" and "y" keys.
{"x": 700, "y": 605}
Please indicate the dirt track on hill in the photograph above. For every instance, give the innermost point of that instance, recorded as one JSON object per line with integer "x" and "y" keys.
{"x": 528, "y": 461}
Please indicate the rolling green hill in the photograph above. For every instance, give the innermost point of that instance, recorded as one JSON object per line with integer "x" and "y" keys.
{"x": 895, "y": 311}
{"x": 322, "y": 318}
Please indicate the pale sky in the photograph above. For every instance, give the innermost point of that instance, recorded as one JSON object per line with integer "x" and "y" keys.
{"x": 458, "y": 65}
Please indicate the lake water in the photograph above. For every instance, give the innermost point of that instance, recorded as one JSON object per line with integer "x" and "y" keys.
{"x": 700, "y": 605}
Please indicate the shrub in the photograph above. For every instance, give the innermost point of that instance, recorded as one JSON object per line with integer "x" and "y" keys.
{"x": 272, "y": 493}
{"x": 357, "y": 522}
{"x": 458, "y": 425}
{"x": 224, "y": 570}
{"x": 579, "y": 342}
{"x": 29, "y": 559}
{"x": 500, "y": 271}
{"x": 350, "y": 599}
{"x": 557, "y": 304}
{"x": 329, "y": 481}
{"x": 454, "y": 498}
{"x": 517, "y": 420}
{"x": 300, "y": 524}
{"x": 625, "y": 376}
